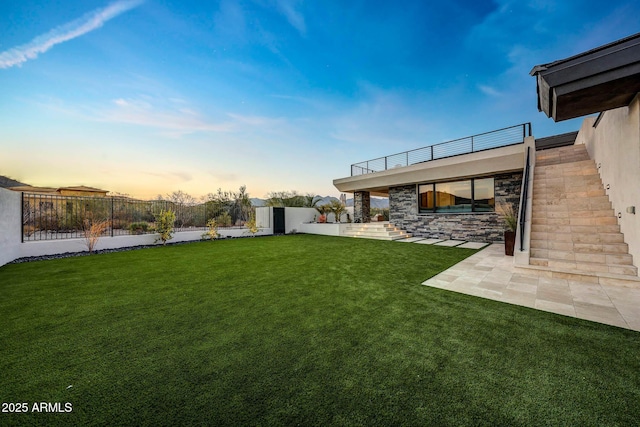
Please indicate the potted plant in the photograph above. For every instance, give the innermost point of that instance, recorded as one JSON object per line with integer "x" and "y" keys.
{"x": 511, "y": 224}
{"x": 322, "y": 210}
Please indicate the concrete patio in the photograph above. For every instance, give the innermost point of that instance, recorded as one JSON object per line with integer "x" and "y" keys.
{"x": 491, "y": 274}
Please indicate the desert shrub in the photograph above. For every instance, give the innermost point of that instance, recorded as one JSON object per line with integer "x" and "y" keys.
{"x": 93, "y": 230}
{"x": 224, "y": 219}
{"x": 138, "y": 227}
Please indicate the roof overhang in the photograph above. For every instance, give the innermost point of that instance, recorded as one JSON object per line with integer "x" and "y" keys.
{"x": 601, "y": 79}
{"x": 483, "y": 163}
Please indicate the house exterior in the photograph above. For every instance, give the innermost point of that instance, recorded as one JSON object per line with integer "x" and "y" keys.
{"x": 577, "y": 195}
{"x": 453, "y": 190}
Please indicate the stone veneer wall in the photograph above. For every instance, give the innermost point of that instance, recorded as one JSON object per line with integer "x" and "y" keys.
{"x": 478, "y": 227}
{"x": 361, "y": 206}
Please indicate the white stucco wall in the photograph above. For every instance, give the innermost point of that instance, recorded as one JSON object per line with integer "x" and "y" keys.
{"x": 10, "y": 227}
{"x": 324, "y": 229}
{"x": 295, "y": 217}
{"x": 614, "y": 144}
{"x": 264, "y": 217}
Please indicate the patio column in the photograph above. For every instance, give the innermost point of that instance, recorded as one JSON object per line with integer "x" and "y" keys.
{"x": 361, "y": 206}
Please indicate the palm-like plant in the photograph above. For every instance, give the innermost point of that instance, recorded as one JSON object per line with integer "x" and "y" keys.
{"x": 337, "y": 208}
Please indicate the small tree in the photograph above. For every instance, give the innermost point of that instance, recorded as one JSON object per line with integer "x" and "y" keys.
{"x": 251, "y": 225}
{"x": 93, "y": 231}
{"x": 212, "y": 232}
{"x": 164, "y": 225}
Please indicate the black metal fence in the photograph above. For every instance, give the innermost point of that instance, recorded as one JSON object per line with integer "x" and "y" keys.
{"x": 52, "y": 217}
{"x": 471, "y": 144}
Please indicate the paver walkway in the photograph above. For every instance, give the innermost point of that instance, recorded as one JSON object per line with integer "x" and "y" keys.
{"x": 491, "y": 274}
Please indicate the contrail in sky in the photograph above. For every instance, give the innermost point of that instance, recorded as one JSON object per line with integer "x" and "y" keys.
{"x": 89, "y": 22}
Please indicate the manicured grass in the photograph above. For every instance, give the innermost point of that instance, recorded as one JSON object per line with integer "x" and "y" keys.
{"x": 297, "y": 330}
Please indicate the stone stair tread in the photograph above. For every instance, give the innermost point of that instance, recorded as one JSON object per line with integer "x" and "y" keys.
{"x": 589, "y": 269}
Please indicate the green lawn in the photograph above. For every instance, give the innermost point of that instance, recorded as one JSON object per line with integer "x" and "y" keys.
{"x": 297, "y": 330}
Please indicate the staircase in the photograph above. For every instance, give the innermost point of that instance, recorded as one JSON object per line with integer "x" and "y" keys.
{"x": 573, "y": 226}
{"x": 376, "y": 230}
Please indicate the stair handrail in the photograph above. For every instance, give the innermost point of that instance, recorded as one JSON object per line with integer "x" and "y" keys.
{"x": 523, "y": 202}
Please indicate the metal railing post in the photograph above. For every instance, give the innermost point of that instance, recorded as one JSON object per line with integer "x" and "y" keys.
{"x": 523, "y": 202}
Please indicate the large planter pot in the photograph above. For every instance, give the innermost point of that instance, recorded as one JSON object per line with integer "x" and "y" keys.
{"x": 509, "y": 242}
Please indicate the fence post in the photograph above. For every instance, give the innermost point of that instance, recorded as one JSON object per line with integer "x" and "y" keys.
{"x": 111, "y": 216}
{"x": 22, "y": 217}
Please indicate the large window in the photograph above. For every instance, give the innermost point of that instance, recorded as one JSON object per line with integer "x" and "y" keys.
{"x": 471, "y": 195}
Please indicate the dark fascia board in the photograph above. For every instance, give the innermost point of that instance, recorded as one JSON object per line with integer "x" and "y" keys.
{"x": 595, "y": 70}
{"x": 554, "y": 141}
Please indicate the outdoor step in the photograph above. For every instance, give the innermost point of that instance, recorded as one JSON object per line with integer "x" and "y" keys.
{"x": 564, "y": 236}
{"x": 584, "y": 167}
{"x": 589, "y": 248}
{"x": 590, "y": 267}
{"x": 565, "y": 227}
{"x": 374, "y": 232}
{"x": 406, "y": 236}
{"x": 575, "y": 217}
{"x": 580, "y": 257}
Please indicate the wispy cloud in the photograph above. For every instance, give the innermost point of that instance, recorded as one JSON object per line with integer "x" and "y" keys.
{"x": 295, "y": 17}
{"x": 155, "y": 113}
{"x": 255, "y": 120}
{"x": 76, "y": 28}
{"x": 488, "y": 90}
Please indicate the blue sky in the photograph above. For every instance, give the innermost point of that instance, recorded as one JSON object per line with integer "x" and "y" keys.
{"x": 147, "y": 97}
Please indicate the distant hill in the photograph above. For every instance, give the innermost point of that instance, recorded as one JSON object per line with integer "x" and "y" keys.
{"x": 6, "y": 182}
{"x": 376, "y": 202}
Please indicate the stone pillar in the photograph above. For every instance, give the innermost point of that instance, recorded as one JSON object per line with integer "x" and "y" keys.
{"x": 361, "y": 206}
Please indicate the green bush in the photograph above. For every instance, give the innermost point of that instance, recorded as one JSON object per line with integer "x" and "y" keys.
{"x": 212, "y": 232}
{"x": 224, "y": 220}
{"x": 138, "y": 228}
{"x": 164, "y": 225}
